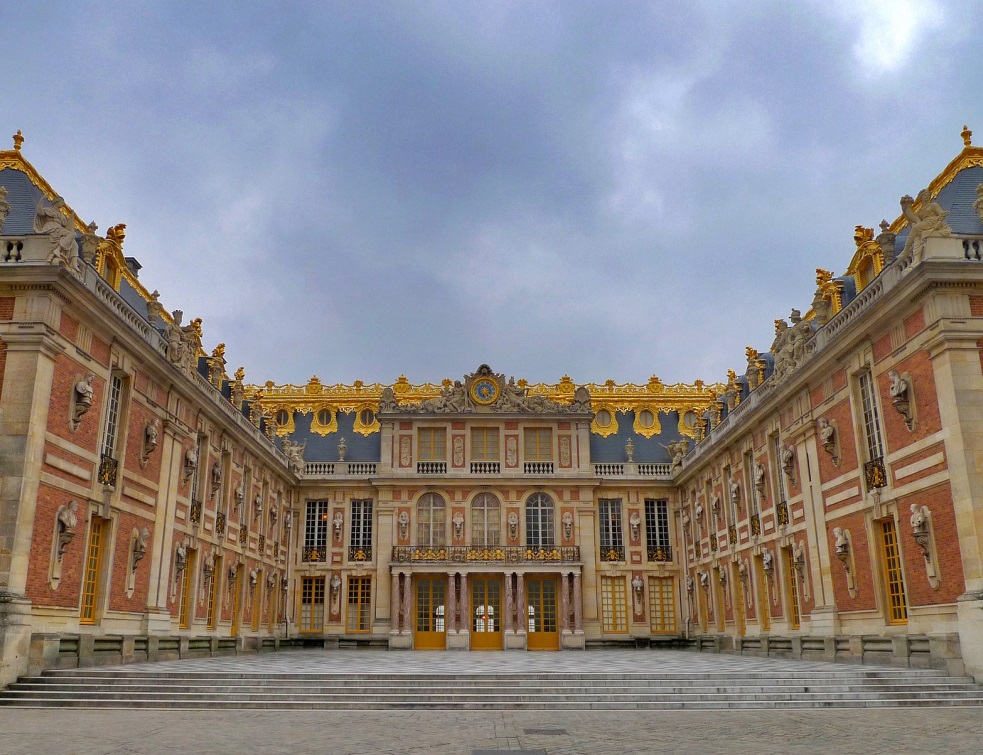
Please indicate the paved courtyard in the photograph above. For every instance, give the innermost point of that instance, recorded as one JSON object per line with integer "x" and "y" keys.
{"x": 127, "y": 732}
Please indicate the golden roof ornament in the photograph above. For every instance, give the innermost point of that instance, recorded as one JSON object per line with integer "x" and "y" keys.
{"x": 18, "y": 140}
{"x": 823, "y": 276}
{"x": 117, "y": 234}
{"x": 196, "y": 324}
{"x": 219, "y": 351}
{"x": 240, "y": 374}
{"x": 966, "y": 134}
{"x": 862, "y": 235}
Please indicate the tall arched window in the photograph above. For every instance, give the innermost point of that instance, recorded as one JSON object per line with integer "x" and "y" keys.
{"x": 539, "y": 520}
{"x": 486, "y": 520}
{"x": 431, "y": 520}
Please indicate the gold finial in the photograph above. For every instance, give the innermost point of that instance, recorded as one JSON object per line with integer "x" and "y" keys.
{"x": 751, "y": 353}
{"x": 18, "y": 140}
{"x": 966, "y": 134}
{"x": 117, "y": 233}
{"x": 240, "y": 374}
{"x": 862, "y": 235}
{"x": 823, "y": 276}
{"x": 219, "y": 351}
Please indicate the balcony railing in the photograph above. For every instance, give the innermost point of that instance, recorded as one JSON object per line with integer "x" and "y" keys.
{"x": 486, "y": 467}
{"x": 538, "y": 467}
{"x": 220, "y": 523}
{"x": 755, "y": 525}
{"x": 243, "y": 533}
{"x": 609, "y": 470}
{"x": 108, "y": 470}
{"x": 655, "y": 470}
{"x": 713, "y": 542}
{"x": 359, "y": 553}
{"x": 261, "y": 545}
{"x": 314, "y": 554}
{"x": 643, "y": 470}
{"x": 732, "y": 534}
{"x": 332, "y": 468}
{"x": 196, "y": 508}
{"x": 612, "y": 553}
{"x": 664, "y": 552}
{"x": 875, "y": 475}
{"x": 482, "y": 554}
{"x": 782, "y": 513}
{"x": 431, "y": 467}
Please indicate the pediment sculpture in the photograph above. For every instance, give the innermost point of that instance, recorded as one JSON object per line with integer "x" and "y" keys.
{"x": 486, "y": 391}
{"x": 791, "y": 345}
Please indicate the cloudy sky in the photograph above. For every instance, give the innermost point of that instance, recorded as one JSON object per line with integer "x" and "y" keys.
{"x": 603, "y": 189}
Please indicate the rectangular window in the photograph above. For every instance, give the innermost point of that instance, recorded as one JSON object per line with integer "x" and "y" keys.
{"x": 187, "y": 577}
{"x": 359, "y": 602}
{"x": 657, "y": 530}
{"x": 111, "y": 430}
{"x": 614, "y": 605}
{"x": 316, "y": 531}
{"x": 662, "y": 605}
{"x": 213, "y": 596}
{"x": 612, "y": 538}
{"x": 729, "y": 496}
{"x": 749, "y": 483}
{"x": 893, "y": 574}
{"x": 871, "y": 418}
{"x": 764, "y": 606}
{"x": 361, "y": 534}
{"x": 93, "y": 571}
{"x": 484, "y": 443}
{"x": 791, "y": 578}
{"x": 432, "y": 444}
{"x": 776, "y": 462}
{"x": 311, "y": 604}
{"x": 256, "y": 605}
{"x": 538, "y": 444}
{"x": 200, "y": 442}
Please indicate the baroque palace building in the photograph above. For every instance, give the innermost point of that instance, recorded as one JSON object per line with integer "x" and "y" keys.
{"x": 826, "y": 503}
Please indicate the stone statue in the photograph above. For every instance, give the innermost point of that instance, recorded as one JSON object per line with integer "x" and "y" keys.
{"x": 335, "y": 584}
{"x": 180, "y": 557}
{"x": 928, "y": 221}
{"x": 704, "y": 579}
{"x": 239, "y": 495}
{"x": 919, "y": 521}
{"x": 900, "y": 398}
{"x": 768, "y": 563}
{"x": 513, "y": 522}
{"x": 759, "y": 478}
{"x": 258, "y": 505}
{"x": 140, "y": 543}
{"x": 404, "y": 524}
{"x": 233, "y": 573}
{"x": 67, "y": 522}
{"x": 253, "y": 577}
{"x": 977, "y": 205}
{"x": 338, "y": 522}
{"x": 60, "y": 227}
{"x": 581, "y": 400}
{"x": 270, "y": 581}
{"x": 630, "y": 450}
{"x": 216, "y": 475}
{"x": 172, "y": 335}
{"x": 636, "y": 585}
{"x": 827, "y": 436}
{"x": 567, "y": 525}
{"x": 735, "y": 493}
{"x": 288, "y": 520}
{"x": 387, "y": 401}
{"x": 458, "y": 521}
{"x": 151, "y": 433}
{"x": 90, "y": 244}
{"x": 83, "y": 399}
{"x": 342, "y": 449}
{"x": 208, "y": 565}
{"x": 190, "y": 345}
{"x": 274, "y": 513}
{"x": 842, "y": 545}
{"x": 635, "y": 522}
{"x": 689, "y": 585}
{"x": 899, "y": 386}
{"x": 788, "y": 461}
{"x": 677, "y": 452}
{"x": 4, "y": 205}
{"x": 295, "y": 455}
{"x": 190, "y": 465}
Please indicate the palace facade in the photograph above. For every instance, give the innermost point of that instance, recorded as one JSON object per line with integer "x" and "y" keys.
{"x": 826, "y": 502}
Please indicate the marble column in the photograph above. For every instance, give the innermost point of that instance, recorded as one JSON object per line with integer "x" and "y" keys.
{"x": 578, "y": 604}
{"x": 564, "y": 603}
{"x": 408, "y": 618}
{"x": 450, "y": 607}
{"x": 509, "y": 604}
{"x": 395, "y": 600}
{"x": 521, "y": 614}
{"x": 465, "y": 623}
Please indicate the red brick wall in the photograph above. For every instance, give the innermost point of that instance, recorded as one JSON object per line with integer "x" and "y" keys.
{"x": 3, "y": 364}
{"x": 69, "y": 590}
{"x": 928, "y": 420}
{"x": 118, "y": 601}
{"x": 920, "y": 593}
{"x": 66, "y": 373}
{"x": 840, "y": 414}
{"x": 862, "y": 557}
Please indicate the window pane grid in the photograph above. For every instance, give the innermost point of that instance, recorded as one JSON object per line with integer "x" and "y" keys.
{"x": 872, "y": 425}
{"x": 316, "y": 525}
{"x": 359, "y": 600}
{"x": 893, "y": 574}
{"x": 184, "y": 608}
{"x": 776, "y": 453}
{"x": 614, "y": 605}
{"x": 656, "y": 523}
{"x": 90, "y": 588}
{"x": 539, "y": 521}
{"x": 486, "y": 518}
{"x": 361, "y": 535}
{"x": 662, "y": 606}
{"x": 793, "y": 591}
{"x": 609, "y": 516}
{"x": 432, "y": 444}
{"x": 112, "y": 416}
{"x": 312, "y": 604}
{"x": 538, "y": 442}
{"x": 484, "y": 443}
{"x": 431, "y": 519}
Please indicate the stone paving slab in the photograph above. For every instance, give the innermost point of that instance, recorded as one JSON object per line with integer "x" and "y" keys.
{"x": 97, "y": 732}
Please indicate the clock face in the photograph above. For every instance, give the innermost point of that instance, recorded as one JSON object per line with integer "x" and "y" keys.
{"x": 484, "y": 391}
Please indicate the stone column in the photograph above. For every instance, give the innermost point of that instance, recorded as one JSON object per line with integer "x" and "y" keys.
{"x": 465, "y": 622}
{"x": 564, "y": 603}
{"x": 521, "y": 613}
{"x": 450, "y": 607}
{"x": 409, "y": 620}
{"x": 509, "y": 606}
{"x": 578, "y": 604}
{"x": 396, "y": 599}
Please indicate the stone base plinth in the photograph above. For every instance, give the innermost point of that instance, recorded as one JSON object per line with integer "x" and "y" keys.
{"x": 400, "y": 641}
{"x": 15, "y": 637}
{"x": 458, "y": 640}
{"x": 515, "y": 640}
{"x": 572, "y": 640}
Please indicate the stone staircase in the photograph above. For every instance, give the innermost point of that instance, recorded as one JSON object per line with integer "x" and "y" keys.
{"x": 809, "y": 686}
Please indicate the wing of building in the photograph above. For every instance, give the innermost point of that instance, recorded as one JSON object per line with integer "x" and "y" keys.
{"x": 826, "y": 503}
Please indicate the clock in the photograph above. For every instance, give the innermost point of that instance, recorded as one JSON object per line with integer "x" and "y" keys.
{"x": 484, "y": 391}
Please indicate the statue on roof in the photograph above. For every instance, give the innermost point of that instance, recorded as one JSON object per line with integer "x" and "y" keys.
{"x": 50, "y": 220}
{"x": 929, "y": 220}
{"x": 4, "y": 205}
{"x": 90, "y": 244}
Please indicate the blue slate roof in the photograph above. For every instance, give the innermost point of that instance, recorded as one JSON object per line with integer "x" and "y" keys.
{"x": 23, "y": 197}
{"x": 611, "y": 450}
{"x": 325, "y": 447}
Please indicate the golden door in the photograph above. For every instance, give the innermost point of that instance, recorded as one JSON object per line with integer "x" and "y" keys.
{"x": 486, "y": 613}
{"x": 431, "y": 627}
{"x": 541, "y": 594}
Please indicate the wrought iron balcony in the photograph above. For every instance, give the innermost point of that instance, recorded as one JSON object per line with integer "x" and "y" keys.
{"x": 732, "y": 534}
{"x": 875, "y": 474}
{"x": 196, "y": 508}
{"x": 612, "y": 553}
{"x": 108, "y": 470}
{"x": 485, "y": 554}
{"x": 262, "y": 545}
{"x": 276, "y": 549}
{"x": 713, "y": 542}
{"x": 755, "y": 525}
{"x": 782, "y": 513}
{"x": 312, "y": 553}
{"x": 220, "y": 523}
{"x": 664, "y": 552}
{"x": 359, "y": 553}
{"x": 243, "y": 533}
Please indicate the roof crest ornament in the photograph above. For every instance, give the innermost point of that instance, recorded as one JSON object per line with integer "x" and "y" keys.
{"x": 966, "y": 134}
{"x": 18, "y": 140}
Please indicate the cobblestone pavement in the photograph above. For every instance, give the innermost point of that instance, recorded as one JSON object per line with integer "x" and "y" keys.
{"x": 939, "y": 730}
